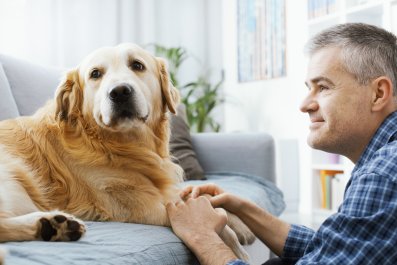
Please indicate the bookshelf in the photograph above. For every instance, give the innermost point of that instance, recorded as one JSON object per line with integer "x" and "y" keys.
{"x": 322, "y": 14}
{"x": 329, "y": 176}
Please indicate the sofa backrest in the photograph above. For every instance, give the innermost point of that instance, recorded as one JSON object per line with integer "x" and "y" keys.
{"x": 24, "y": 87}
{"x": 8, "y": 107}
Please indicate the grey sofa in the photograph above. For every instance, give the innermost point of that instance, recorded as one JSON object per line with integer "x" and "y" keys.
{"x": 241, "y": 163}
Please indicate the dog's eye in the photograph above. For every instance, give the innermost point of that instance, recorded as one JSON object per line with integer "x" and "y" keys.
{"x": 137, "y": 66}
{"x": 95, "y": 74}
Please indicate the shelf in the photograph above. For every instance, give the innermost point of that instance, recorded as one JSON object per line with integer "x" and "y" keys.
{"x": 329, "y": 167}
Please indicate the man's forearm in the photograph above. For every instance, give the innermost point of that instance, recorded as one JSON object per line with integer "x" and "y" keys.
{"x": 210, "y": 249}
{"x": 269, "y": 229}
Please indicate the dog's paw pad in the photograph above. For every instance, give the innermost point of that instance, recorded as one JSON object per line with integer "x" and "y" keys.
{"x": 47, "y": 231}
{"x": 60, "y": 218}
{"x": 60, "y": 227}
{"x": 75, "y": 235}
{"x": 73, "y": 225}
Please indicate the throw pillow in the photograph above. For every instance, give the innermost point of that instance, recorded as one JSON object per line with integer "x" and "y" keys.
{"x": 181, "y": 146}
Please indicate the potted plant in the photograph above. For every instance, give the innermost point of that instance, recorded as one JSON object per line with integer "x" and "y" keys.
{"x": 200, "y": 96}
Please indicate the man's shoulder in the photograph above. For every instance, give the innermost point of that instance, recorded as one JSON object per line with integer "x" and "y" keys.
{"x": 383, "y": 162}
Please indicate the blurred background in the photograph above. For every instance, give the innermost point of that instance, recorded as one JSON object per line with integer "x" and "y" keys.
{"x": 250, "y": 52}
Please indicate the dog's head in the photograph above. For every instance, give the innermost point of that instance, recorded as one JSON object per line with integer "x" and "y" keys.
{"x": 121, "y": 87}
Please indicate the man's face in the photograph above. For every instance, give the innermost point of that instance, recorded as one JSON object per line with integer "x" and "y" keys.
{"x": 338, "y": 106}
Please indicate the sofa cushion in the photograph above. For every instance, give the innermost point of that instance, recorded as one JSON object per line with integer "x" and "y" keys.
{"x": 121, "y": 243}
{"x": 8, "y": 107}
{"x": 254, "y": 188}
{"x": 181, "y": 146}
{"x": 31, "y": 85}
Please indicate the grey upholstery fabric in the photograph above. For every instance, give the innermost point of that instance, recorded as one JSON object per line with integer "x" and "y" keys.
{"x": 8, "y": 107}
{"x": 120, "y": 243}
{"x": 249, "y": 153}
{"x": 31, "y": 85}
{"x": 106, "y": 243}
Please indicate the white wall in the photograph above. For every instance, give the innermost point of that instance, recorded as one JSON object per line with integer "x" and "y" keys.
{"x": 273, "y": 106}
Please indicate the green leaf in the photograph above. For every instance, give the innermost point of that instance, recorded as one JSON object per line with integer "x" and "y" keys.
{"x": 199, "y": 96}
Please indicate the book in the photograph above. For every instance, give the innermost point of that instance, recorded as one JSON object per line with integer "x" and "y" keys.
{"x": 330, "y": 188}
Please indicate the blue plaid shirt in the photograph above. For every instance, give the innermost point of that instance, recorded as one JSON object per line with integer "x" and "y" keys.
{"x": 364, "y": 230}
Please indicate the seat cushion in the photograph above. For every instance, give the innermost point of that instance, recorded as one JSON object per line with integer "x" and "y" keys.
{"x": 121, "y": 243}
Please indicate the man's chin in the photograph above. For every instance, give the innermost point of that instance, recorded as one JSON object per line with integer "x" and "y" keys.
{"x": 314, "y": 142}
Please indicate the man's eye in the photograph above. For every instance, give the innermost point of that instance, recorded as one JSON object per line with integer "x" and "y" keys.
{"x": 138, "y": 66}
{"x": 322, "y": 88}
{"x": 95, "y": 74}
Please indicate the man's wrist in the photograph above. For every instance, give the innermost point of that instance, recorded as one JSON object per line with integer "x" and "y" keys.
{"x": 210, "y": 249}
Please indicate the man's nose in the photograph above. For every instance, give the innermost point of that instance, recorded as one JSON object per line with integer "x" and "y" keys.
{"x": 309, "y": 104}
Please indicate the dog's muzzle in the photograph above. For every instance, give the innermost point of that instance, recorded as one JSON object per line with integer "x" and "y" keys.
{"x": 122, "y": 98}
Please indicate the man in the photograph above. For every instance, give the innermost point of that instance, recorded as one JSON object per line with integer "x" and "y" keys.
{"x": 352, "y": 107}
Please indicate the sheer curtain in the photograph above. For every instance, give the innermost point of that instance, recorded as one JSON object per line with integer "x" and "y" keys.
{"x": 61, "y": 32}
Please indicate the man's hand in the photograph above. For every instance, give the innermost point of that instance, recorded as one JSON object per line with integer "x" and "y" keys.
{"x": 195, "y": 191}
{"x": 195, "y": 217}
{"x": 227, "y": 201}
{"x": 198, "y": 225}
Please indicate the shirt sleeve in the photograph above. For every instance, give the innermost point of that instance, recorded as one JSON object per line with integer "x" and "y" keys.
{"x": 363, "y": 231}
{"x": 236, "y": 262}
{"x": 298, "y": 239}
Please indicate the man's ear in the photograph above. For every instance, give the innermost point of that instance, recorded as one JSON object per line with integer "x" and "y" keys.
{"x": 69, "y": 98}
{"x": 382, "y": 93}
{"x": 169, "y": 92}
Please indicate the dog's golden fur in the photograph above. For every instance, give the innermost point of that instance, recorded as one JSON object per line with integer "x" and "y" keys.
{"x": 79, "y": 155}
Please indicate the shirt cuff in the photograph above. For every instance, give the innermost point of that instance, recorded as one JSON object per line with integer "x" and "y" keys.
{"x": 298, "y": 238}
{"x": 237, "y": 262}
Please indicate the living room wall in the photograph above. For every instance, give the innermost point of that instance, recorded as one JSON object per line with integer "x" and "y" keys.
{"x": 272, "y": 105}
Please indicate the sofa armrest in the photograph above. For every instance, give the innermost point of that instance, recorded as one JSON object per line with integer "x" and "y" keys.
{"x": 248, "y": 153}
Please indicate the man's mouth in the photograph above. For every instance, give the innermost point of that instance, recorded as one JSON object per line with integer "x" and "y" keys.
{"x": 316, "y": 123}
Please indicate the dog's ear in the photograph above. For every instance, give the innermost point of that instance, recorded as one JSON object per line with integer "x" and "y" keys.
{"x": 69, "y": 98}
{"x": 170, "y": 93}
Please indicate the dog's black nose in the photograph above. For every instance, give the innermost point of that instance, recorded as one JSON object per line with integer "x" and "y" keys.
{"x": 121, "y": 93}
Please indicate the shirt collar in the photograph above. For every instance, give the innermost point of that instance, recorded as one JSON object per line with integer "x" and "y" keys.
{"x": 386, "y": 133}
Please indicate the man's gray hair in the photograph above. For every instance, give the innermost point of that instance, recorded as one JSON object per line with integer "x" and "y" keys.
{"x": 368, "y": 51}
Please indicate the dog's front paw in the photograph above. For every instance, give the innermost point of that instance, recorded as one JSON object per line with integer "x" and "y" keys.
{"x": 59, "y": 226}
{"x": 3, "y": 253}
{"x": 244, "y": 234}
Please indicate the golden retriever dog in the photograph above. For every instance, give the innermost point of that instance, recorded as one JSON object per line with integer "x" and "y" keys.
{"x": 98, "y": 151}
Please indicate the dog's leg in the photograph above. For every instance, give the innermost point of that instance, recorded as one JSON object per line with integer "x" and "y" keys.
{"x": 230, "y": 238}
{"x": 47, "y": 226}
{"x": 244, "y": 234}
{"x": 3, "y": 253}
{"x": 21, "y": 220}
